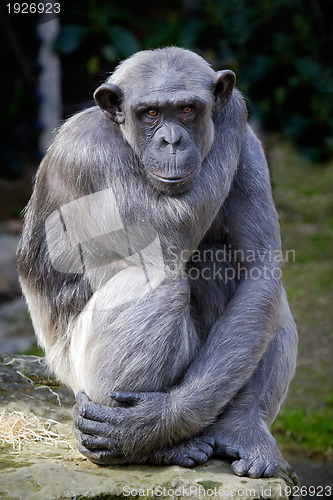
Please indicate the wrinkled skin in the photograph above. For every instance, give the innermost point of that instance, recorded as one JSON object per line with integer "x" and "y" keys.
{"x": 148, "y": 263}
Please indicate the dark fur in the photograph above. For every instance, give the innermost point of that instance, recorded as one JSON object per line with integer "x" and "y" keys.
{"x": 209, "y": 359}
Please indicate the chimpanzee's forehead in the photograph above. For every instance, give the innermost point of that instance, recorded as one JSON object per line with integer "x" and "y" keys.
{"x": 166, "y": 82}
{"x": 174, "y": 82}
{"x": 171, "y": 85}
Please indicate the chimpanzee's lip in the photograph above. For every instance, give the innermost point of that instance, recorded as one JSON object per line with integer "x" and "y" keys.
{"x": 174, "y": 179}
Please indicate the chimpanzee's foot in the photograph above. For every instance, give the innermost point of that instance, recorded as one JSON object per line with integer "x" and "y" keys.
{"x": 256, "y": 452}
{"x": 256, "y": 463}
{"x": 194, "y": 452}
{"x": 188, "y": 454}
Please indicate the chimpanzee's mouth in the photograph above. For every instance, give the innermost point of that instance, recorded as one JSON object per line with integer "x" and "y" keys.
{"x": 173, "y": 179}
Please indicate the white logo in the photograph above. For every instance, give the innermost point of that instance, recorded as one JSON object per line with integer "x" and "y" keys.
{"x": 87, "y": 236}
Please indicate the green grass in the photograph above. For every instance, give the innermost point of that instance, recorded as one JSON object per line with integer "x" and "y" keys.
{"x": 35, "y": 350}
{"x": 307, "y": 430}
{"x": 303, "y": 193}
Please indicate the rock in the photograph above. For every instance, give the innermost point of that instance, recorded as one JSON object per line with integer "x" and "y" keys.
{"x": 44, "y": 471}
{"x": 16, "y": 331}
{"x": 9, "y": 285}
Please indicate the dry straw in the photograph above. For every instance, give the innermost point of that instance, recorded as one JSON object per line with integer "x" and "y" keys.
{"x": 18, "y": 427}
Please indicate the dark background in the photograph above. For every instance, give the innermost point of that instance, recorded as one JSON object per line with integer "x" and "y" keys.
{"x": 280, "y": 50}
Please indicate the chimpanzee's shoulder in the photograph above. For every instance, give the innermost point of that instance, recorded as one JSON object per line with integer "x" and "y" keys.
{"x": 89, "y": 126}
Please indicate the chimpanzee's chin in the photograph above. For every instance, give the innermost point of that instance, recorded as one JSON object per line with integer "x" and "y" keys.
{"x": 175, "y": 185}
{"x": 174, "y": 189}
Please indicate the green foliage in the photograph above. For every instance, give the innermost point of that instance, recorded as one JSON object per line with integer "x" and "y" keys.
{"x": 123, "y": 40}
{"x": 280, "y": 50}
{"x": 70, "y": 38}
{"x": 101, "y": 27}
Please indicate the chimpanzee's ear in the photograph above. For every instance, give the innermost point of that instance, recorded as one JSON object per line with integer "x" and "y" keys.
{"x": 223, "y": 84}
{"x": 108, "y": 97}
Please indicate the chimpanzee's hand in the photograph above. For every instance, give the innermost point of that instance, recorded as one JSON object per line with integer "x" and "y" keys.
{"x": 135, "y": 432}
{"x": 133, "y": 429}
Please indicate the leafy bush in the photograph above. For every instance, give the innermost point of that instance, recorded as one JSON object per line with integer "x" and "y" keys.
{"x": 280, "y": 49}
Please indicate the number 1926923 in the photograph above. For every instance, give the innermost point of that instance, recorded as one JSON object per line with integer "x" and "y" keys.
{"x": 33, "y": 8}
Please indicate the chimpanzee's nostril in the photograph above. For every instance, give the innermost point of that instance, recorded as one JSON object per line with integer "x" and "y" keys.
{"x": 172, "y": 140}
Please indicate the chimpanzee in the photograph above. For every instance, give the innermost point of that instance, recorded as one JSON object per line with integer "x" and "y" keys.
{"x": 149, "y": 262}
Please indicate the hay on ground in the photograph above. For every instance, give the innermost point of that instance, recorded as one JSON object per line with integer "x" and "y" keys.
{"x": 18, "y": 427}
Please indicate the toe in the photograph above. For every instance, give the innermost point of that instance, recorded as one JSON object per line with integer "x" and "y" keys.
{"x": 209, "y": 440}
{"x": 99, "y": 457}
{"x": 206, "y": 448}
{"x": 240, "y": 467}
{"x": 184, "y": 461}
{"x": 271, "y": 470}
{"x": 257, "y": 468}
{"x": 199, "y": 457}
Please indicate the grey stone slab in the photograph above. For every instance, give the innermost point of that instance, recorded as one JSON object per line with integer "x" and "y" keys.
{"x": 42, "y": 471}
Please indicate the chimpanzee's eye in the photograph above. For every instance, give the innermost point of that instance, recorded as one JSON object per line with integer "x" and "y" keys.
{"x": 152, "y": 112}
{"x": 187, "y": 110}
